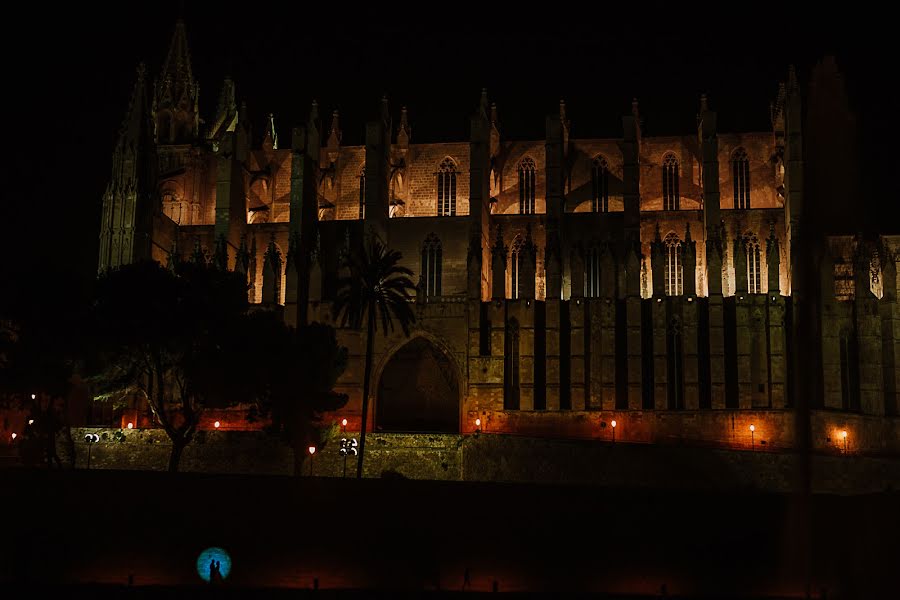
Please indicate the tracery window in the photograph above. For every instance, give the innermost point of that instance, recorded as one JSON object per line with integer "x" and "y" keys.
{"x": 526, "y": 186}
{"x": 671, "y": 199}
{"x": 740, "y": 175}
{"x": 600, "y": 185}
{"x": 446, "y": 199}
{"x": 674, "y": 270}
{"x": 432, "y": 265}
{"x": 754, "y": 268}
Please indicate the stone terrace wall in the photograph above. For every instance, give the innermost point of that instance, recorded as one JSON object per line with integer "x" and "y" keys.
{"x": 488, "y": 457}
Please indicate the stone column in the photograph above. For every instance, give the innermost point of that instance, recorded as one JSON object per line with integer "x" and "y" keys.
{"x": 689, "y": 331}
{"x": 742, "y": 323}
{"x": 775, "y": 341}
{"x": 868, "y": 335}
{"x": 603, "y": 320}
{"x": 633, "y": 327}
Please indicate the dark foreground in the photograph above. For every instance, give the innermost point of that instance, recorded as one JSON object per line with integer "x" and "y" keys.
{"x": 409, "y": 538}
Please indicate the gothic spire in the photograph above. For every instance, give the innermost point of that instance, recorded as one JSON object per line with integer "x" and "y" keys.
{"x": 177, "y": 93}
{"x": 404, "y": 133}
{"x": 177, "y": 67}
{"x": 335, "y": 134}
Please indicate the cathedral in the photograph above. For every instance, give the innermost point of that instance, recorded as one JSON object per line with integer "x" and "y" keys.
{"x": 633, "y": 288}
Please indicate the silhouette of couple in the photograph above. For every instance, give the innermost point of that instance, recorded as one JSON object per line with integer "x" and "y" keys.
{"x": 215, "y": 572}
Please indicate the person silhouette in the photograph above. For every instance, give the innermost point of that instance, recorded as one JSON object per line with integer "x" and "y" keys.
{"x": 212, "y": 570}
{"x": 218, "y": 572}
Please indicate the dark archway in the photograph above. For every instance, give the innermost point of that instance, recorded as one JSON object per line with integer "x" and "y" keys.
{"x": 418, "y": 391}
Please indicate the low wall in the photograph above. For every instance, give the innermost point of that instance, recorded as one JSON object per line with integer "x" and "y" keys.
{"x": 495, "y": 457}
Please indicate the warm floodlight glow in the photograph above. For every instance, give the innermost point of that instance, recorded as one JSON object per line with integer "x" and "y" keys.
{"x": 217, "y": 424}
{"x": 312, "y": 450}
{"x": 15, "y": 435}
{"x": 478, "y": 422}
{"x": 753, "y": 428}
{"x": 614, "y": 424}
{"x": 343, "y": 422}
{"x": 31, "y": 422}
{"x": 130, "y": 425}
{"x": 33, "y": 396}
{"x": 844, "y": 434}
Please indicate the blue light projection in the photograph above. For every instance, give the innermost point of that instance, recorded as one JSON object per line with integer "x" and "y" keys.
{"x": 213, "y": 564}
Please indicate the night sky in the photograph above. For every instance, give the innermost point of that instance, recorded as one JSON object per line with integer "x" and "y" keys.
{"x": 69, "y": 71}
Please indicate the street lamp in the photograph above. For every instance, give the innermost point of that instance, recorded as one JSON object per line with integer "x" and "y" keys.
{"x": 130, "y": 425}
{"x": 752, "y": 429}
{"x": 348, "y": 448}
{"x": 312, "y": 452}
{"x": 217, "y": 424}
{"x": 844, "y": 437}
{"x": 478, "y": 424}
{"x": 91, "y": 439}
{"x": 343, "y": 425}
{"x": 614, "y": 430}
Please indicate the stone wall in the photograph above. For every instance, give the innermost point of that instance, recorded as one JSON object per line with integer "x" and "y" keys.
{"x": 504, "y": 458}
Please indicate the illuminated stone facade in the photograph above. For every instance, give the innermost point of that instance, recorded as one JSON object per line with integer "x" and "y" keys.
{"x": 564, "y": 282}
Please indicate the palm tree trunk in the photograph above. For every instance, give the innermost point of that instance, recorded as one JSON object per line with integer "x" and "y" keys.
{"x": 370, "y": 349}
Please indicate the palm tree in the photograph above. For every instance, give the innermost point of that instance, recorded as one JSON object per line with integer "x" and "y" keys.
{"x": 377, "y": 289}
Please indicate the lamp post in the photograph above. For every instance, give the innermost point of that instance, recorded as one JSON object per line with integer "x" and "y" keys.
{"x": 752, "y": 429}
{"x": 344, "y": 425}
{"x": 478, "y": 424}
{"x": 312, "y": 452}
{"x": 844, "y": 436}
{"x": 91, "y": 439}
{"x": 614, "y": 430}
{"x": 348, "y": 448}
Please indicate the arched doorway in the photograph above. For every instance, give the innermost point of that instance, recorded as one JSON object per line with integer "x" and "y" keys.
{"x": 418, "y": 391}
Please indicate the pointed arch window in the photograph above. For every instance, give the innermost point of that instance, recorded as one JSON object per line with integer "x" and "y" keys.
{"x": 671, "y": 199}
{"x": 674, "y": 270}
{"x": 516, "y": 255}
{"x": 511, "y": 366}
{"x": 754, "y": 267}
{"x": 526, "y": 186}
{"x": 740, "y": 175}
{"x": 600, "y": 185}
{"x": 592, "y": 273}
{"x": 447, "y": 188}
{"x": 432, "y": 265}
{"x": 362, "y": 193}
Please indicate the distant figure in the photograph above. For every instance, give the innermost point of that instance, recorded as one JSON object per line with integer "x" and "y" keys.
{"x": 215, "y": 572}
{"x": 467, "y": 583}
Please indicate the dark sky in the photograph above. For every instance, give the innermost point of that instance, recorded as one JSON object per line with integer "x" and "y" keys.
{"x": 69, "y": 72}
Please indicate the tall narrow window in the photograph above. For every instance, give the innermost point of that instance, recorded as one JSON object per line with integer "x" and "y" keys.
{"x": 447, "y": 188}
{"x": 526, "y": 186}
{"x": 600, "y": 185}
{"x": 511, "y": 367}
{"x": 515, "y": 266}
{"x": 592, "y": 273}
{"x": 431, "y": 265}
{"x": 674, "y": 285}
{"x": 671, "y": 200}
{"x": 754, "y": 269}
{"x": 362, "y": 194}
{"x": 740, "y": 174}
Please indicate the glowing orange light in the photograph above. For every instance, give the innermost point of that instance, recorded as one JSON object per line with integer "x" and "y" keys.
{"x": 614, "y": 424}
{"x": 753, "y": 428}
{"x": 131, "y": 426}
{"x": 15, "y": 435}
{"x": 33, "y": 396}
{"x": 31, "y": 421}
{"x": 343, "y": 422}
{"x": 216, "y": 424}
{"x": 844, "y": 434}
{"x": 312, "y": 450}
{"x": 477, "y": 422}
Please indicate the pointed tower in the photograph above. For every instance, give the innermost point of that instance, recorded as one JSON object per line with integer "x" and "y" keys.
{"x": 177, "y": 95}
{"x": 131, "y": 196}
{"x": 270, "y": 140}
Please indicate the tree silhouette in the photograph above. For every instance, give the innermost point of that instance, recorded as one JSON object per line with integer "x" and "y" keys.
{"x": 288, "y": 375}
{"x": 160, "y": 334}
{"x": 377, "y": 290}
